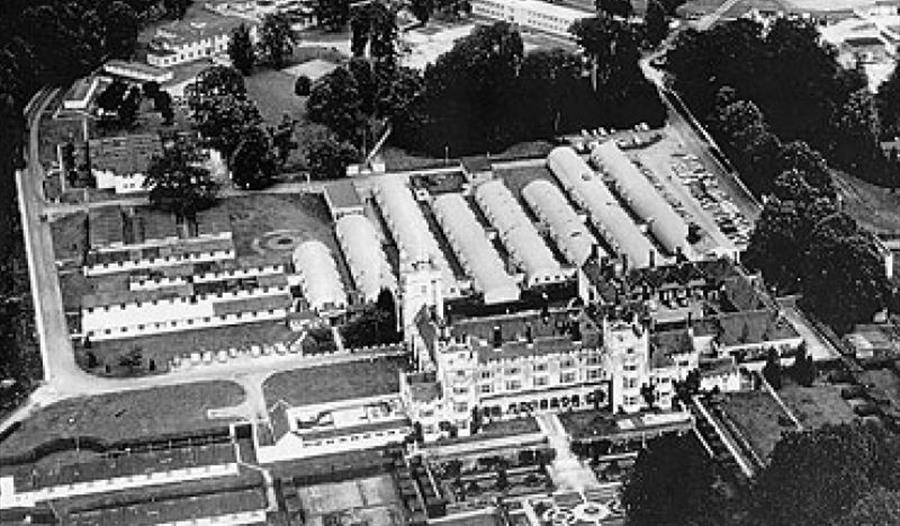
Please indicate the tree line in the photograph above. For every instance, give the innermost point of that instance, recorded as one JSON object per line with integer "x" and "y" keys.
{"x": 471, "y": 99}
{"x": 844, "y": 475}
{"x": 796, "y": 82}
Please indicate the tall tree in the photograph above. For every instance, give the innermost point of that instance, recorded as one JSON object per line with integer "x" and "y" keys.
{"x": 620, "y": 8}
{"x": 329, "y": 157}
{"x": 878, "y": 507}
{"x": 335, "y": 102}
{"x": 813, "y": 476}
{"x": 283, "y": 139}
{"x": 888, "y": 101}
{"x": 333, "y": 15}
{"x": 178, "y": 183}
{"x": 121, "y": 23}
{"x": 253, "y": 164}
{"x": 672, "y": 484}
{"x": 854, "y": 144}
{"x": 422, "y": 9}
{"x": 240, "y": 50}
{"x": 177, "y": 8}
{"x": 276, "y": 40}
{"x": 223, "y": 121}
{"x": 656, "y": 22}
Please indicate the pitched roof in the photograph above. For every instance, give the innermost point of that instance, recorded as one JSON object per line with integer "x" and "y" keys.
{"x": 124, "y": 154}
{"x": 106, "y": 226}
{"x": 665, "y": 344}
{"x": 748, "y": 327}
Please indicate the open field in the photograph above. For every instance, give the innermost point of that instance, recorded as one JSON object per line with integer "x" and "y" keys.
{"x": 329, "y": 383}
{"x": 252, "y": 217}
{"x": 874, "y": 207}
{"x": 371, "y": 500}
{"x": 759, "y": 418}
{"x": 273, "y": 92}
{"x": 127, "y": 415}
{"x": 883, "y": 382}
{"x": 161, "y": 348}
{"x": 817, "y": 405}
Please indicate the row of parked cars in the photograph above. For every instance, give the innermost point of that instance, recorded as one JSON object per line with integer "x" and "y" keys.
{"x": 705, "y": 188}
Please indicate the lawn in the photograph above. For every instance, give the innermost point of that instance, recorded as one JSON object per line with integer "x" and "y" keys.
{"x": 126, "y": 415}
{"x": 586, "y": 424}
{"x": 883, "y": 382}
{"x": 70, "y": 236}
{"x": 330, "y": 383}
{"x": 518, "y": 178}
{"x": 303, "y": 215}
{"x": 817, "y": 405}
{"x": 874, "y": 207}
{"x": 758, "y": 418}
{"x": 273, "y": 92}
{"x": 161, "y": 348}
{"x": 55, "y": 132}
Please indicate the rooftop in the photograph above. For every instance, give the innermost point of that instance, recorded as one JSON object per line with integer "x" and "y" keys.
{"x": 182, "y": 32}
{"x": 666, "y": 344}
{"x": 748, "y": 327}
{"x": 342, "y": 194}
{"x": 124, "y": 154}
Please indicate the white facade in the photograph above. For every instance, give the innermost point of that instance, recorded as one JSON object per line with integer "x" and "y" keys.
{"x": 525, "y": 246}
{"x": 137, "y": 71}
{"x": 120, "y": 184}
{"x": 531, "y": 14}
{"x": 183, "y": 42}
{"x": 82, "y": 101}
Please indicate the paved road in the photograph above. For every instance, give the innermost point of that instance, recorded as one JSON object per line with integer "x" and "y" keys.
{"x": 707, "y": 21}
{"x": 818, "y": 347}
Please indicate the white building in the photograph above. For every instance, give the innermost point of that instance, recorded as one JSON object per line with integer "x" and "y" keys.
{"x": 364, "y": 255}
{"x": 535, "y": 15}
{"x": 319, "y": 277}
{"x": 180, "y": 42}
{"x": 137, "y": 71}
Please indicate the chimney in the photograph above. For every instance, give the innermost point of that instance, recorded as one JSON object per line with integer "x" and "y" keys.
{"x": 624, "y": 264}
{"x": 575, "y": 331}
{"x": 529, "y": 333}
{"x": 690, "y": 319}
{"x": 498, "y": 337}
{"x": 652, "y": 258}
{"x": 595, "y": 253}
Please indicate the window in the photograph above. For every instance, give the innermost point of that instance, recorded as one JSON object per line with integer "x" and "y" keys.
{"x": 540, "y": 366}
{"x": 566, "y": 363}
{"x": 485, "y": 374}
{"x": 486, "y": 388}
{"x": 540, "y": 381}
{"x": 513, "y": 385}
{"x": 630, "y": 383}
{"x": 567, "y": 378}
{"x": 461, "y": 407}
{"x": 594, "y": 374}
{"x": 460, "y": 390}
{"x": 513, "y": 371}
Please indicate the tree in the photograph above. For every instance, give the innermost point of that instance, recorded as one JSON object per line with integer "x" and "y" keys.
{"x": 111, "y": 97}
{"x": 163, "y": 103}
{"x": 656, "y": 22}
{"x": 223, "y": 121}
{"x": 328, "y": 158}
{"x": 804, "y": 369}
{"x": 887, "y": 101}
{"x": 128, "y": 109}
{"x": 335, "y": 102}
{"x": 620, "y": 8}
{"x": 177, "y": 8}
{"x": 422, "y": 9}
{"x": 240, "y": 50}
{"x": 673, "y": 483}
{"x": 772, "y": 370}
{"x": 151, "y": 89}
{"x": 132, "y": 360}
{"x": 178, "y": 183}
{"x": 302, "y": 86}
{"x": 121, "y": 23}
{"x": 814, "y": 476}
{"x": 253, "y": 164}
{"x": 333, "y": 15}
{"x": 283, "y": 139}
{"x": 877, "y": 507}
{"x": 276, "y": 40}
{"x": 374, "y": 26}
{"x": 216, "y": 81}
{"x": 854, "y": 143}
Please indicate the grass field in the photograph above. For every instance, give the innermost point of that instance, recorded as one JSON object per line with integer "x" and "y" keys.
{"x": 316, "y": 385}
{"x": 758, "y": 417}
{"x": 817, "y": 405}
{"x": 253, "y": 216}
{"x": 55, "y": 132}
{"x": 126, "y": 415}
{"x": 70, "y": 236}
